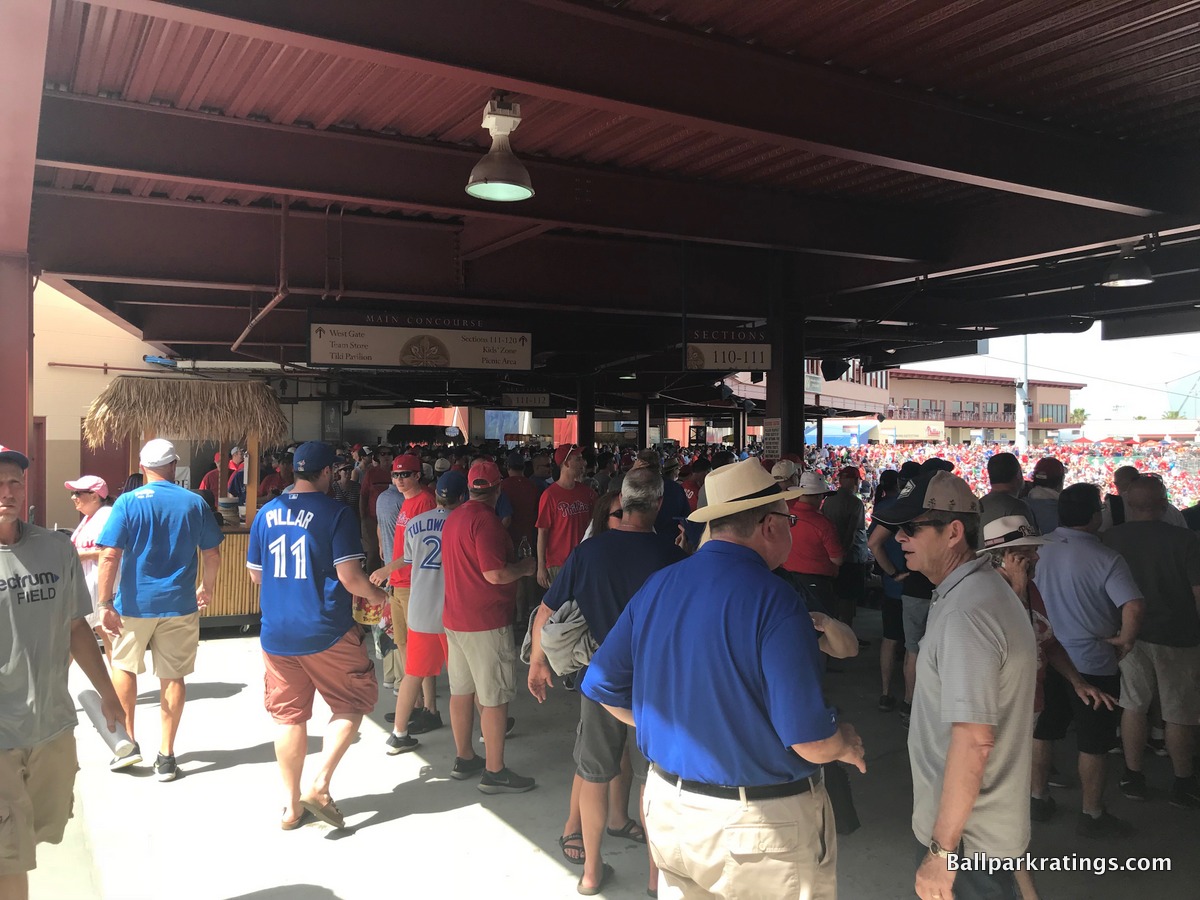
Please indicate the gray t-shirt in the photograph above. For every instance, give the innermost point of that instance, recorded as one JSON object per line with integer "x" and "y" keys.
{"x": 1165, "y": 562}
{"x": 423, "y": 548}
{"x": 387, "y": 511}
{"x": 978, "y": 664}
{"x": 42, "y": 589}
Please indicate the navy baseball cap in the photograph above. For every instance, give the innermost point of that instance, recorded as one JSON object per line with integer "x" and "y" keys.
{"x": 14, "y": 456}
{"x": 313, "y": 456}
{"x": 452, "y": 485}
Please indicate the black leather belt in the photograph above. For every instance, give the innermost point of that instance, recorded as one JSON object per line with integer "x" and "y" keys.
{"x": 753, "y": 792}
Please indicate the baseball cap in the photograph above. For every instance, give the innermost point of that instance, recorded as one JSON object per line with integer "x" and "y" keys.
{"x": 452, "y": 485}
{"x": 93, "y": 483}
{"x": 783, "y": 470}
{"x": 14, "y": 456}
{"x": 910, "y": 470}
{"x": 811, "y": 483}
{"x": 1048, "y": 469}
{"x": 156, "y": 453}
{"x": 563, "y": 452}
{"x": 312, "y": 456}
{"x": 484, "y": 474}
{"x": 849, "y": 470}
{"x": 406, "y": 463}
{"x": 936, "y": 489}
{"x": 441, "y": 464}
{"x": 514, "y": 460}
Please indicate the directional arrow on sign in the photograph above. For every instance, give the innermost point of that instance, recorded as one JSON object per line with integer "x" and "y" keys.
{"x": 320, "y": 332}
{"x": 524, "y": 340}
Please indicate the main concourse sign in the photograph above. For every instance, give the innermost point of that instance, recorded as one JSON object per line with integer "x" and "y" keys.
{"x": 396, "y": 341}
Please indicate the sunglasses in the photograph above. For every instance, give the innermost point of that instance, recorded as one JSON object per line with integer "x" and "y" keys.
{"x": 792, "y": 520}
{"x": 616, "y": 514}
{"x": 403, "y": 474}
{"x": 911, "y": 528}
{"x": 76, "y": 494}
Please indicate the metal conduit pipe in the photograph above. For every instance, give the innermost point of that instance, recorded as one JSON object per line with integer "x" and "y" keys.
{"x": 282, "y": 292}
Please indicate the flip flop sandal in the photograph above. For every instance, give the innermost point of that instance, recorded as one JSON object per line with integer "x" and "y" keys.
{"x": 326, "y": 812}
{"x": 606, "y": 873}
{"x": 631, "y": 831}
{"x": 570, "y": 845}
{"x": 294, "y": 823}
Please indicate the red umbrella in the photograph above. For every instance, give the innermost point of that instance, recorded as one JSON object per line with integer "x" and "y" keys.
{"x": 1083, "y": 440}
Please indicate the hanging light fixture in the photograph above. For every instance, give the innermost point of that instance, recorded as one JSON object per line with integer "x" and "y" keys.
{"x": 1128, "y": 270}
{"x": 500, "y": 176}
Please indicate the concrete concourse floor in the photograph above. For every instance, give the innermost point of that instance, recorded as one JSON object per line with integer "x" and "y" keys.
{"x": 214, "y": 834}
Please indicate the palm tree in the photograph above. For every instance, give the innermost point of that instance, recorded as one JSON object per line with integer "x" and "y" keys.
{"x": 1078, "y": 416}
{"x": 1172, "y": 414}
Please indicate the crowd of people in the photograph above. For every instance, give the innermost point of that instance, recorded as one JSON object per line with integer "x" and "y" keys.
{"x": 695, "y": 598}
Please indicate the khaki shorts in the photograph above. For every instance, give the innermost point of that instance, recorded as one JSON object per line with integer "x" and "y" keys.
{"x": 399, "y": 603}
{"x": 483, "y": 663}
{"x": 37, "y": 787}
{"x": 172, "y": 640}
{"x": 1171, "y": 672}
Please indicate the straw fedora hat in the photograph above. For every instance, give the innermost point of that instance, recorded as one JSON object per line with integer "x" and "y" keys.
{"x": 737, "y": 487}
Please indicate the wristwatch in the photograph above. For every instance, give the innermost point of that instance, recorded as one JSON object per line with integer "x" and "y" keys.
{"x": 936, "y": 849}
{"x": 106, "y": 604}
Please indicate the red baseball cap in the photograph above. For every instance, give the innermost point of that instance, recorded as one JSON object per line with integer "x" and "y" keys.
{"x": 406, "y": 463}
{"x": 849, "y": 470}
{"x": 484, "y": 474}
{"x": 563, "y": 452}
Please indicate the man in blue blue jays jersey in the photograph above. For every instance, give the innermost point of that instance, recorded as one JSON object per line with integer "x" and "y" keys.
{"x": 306, "y": 552}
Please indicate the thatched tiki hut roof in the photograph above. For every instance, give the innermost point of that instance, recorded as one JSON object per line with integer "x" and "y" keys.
{"x": 185, "y": 408}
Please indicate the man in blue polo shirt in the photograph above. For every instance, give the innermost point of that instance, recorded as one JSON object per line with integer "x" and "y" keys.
{"x": 306, "y": 552}
{"x": 715, "y": 661}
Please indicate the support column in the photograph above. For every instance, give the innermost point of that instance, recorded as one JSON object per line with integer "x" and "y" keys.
{"x": 739, "y": 428}
{"x": 585, "y": 408}
{"x": 16, "y": 352}
{"x": 785, "y": 381}
{"x": 644, "y": 425}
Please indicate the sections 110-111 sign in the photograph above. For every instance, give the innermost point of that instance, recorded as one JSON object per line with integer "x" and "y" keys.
{"x": 366, "y": 344}
{"x": 728, "y": 349}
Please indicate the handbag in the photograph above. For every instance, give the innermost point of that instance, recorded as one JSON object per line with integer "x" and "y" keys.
{"x": 566, "y": 639}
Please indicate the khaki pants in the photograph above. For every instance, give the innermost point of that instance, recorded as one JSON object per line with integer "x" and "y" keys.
{"x": 714, "y": 847}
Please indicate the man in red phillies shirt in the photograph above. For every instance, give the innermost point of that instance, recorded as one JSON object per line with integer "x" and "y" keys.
{"x": 692, "y": 484}
{"x": 564, "y": 513}
{"x": 481, "y": 575}
{"x": 406, "y": 476}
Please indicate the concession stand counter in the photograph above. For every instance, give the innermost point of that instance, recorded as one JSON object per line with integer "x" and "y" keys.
{"x": 242, "y": 412}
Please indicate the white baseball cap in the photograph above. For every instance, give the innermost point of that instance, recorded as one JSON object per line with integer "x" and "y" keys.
{"x": 156, "y": 453}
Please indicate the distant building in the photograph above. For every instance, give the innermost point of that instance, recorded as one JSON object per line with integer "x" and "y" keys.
{"x": 969, "y": 407}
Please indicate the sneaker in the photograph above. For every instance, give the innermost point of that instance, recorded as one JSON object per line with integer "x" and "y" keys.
{"x": 886, "y": 703}
{"x": 389, "y": 684}
{"x": 1185, "y": 794}
{"x": 1042, "y": 808}
{"x": 905, "y": 709}
{"x": 397, "y": 744}
{"x": 424, "y": 721}
{"x": 1157, "y": 746}
{"x": 165, "y": 768}
{"x": 505, "y": 781}
{"x": 1058, "y": 779}
{"x": 509, "y": 725}
{"x": 466, "y": 768}
{"x": 1133, "y": 785}
{"x": 132, "y": 758}
{"x": 1106, "y": 826}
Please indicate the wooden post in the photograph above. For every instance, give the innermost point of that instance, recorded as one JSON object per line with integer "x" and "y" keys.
{"x": 223, "y": 472}
{"x": 252, "y": 479}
